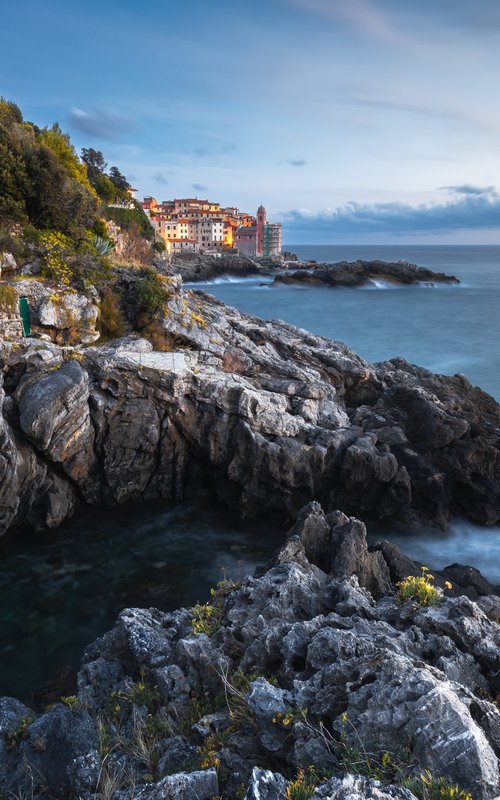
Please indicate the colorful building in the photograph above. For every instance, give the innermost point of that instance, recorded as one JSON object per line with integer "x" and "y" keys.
{"x": 261, "y": 239}
{"x": 205, "y": 227}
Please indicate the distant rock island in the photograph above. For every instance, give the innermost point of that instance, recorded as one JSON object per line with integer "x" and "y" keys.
{"x": 363, "y": 273}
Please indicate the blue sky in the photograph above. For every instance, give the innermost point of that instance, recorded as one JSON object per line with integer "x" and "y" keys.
{"x": 352, "y": 120}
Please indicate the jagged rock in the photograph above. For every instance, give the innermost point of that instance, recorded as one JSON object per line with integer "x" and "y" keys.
{"x": 8, "y": 264}
{"x": 354, "y": 787}
{"x": 59, "y": 749}
{"x": 14, "y": 717}
{"x": 202, "y": 785}
{"x": 175, "y": 755}
{"x": 266, "y": 785}
{"x": 267, "y": 416}
{"x": 67, "y": 316}
{"x": 337, "y": 544}
{"x": 310, "y": 669}
{"x": 54, "y": 415}
{"x": 200, "y": 267}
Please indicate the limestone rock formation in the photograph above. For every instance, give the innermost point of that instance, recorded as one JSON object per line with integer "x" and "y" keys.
{"x": 265, "y": 415}
{"x": 8, "y": 264}
{"x": 298, "y": 674}
{"x": 67, "y": 317}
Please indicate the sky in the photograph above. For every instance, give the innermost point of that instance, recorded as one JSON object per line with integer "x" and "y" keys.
{"x": 353, "y": 121}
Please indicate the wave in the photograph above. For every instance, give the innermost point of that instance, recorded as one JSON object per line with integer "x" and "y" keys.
{"x": 222, "y": 279}
{"x": 464, "y": 542}
{"x": 381, "y": 284}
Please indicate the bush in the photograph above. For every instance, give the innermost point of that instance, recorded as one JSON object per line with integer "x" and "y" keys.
{"x": 420, "y": 589}
{"x": 55, "y": 249}
{"x": 206, "y": 618}
{"x": 112, "y": 323}
{"x": 155, "y": 333}
{"x": 303, "y": 785}
{"x": 8, "y": 297}
{"x": 151, "y": 293}
{"x": 99, "y": 228}
{"x": 425, "y": 787}
{"x": 129, "y": 218}
{"x": 12, "y": 244}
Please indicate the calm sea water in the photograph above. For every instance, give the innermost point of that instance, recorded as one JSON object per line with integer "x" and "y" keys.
{"x": 62, "y": 589}
{"x": 447, "y": 329}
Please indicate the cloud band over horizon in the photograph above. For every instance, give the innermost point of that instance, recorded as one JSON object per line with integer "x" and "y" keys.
{"x": 475, "y": 208}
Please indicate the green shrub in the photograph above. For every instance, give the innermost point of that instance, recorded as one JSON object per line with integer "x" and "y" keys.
{"x": 8, "y": 297}
{"x": 71, "y": 701}
{"x": 55, "y": 250}
{"x": 16, "y": 736}
{"x": 425, "y": 787}
{"x": 128, "y": 218}
{"x": 12, "y": 244}
{"x": 111, "y": 321}
{"x": 99, "y": 228}
{"x": 303, "y": 786}
{"x": 152, "y": 295}
{"x": 206, "y": 618}
{"x": 419, "y": 589}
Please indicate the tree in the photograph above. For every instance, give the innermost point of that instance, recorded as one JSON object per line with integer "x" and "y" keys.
{"x": 94, "y": 160}
{"x": 55, "y": 199}
{"x": 13, "y": 178}
{"x": 118, "y": 179}
{"x": 9, "y": 112}
{"x": 61, "y": 146}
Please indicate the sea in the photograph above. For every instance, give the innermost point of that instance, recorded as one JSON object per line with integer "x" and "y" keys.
{"x": 62, "y": 589}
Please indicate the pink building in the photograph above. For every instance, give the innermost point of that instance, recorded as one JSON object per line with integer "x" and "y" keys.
{"x": 263, "y": 238}
{"x": 245, "y": 239}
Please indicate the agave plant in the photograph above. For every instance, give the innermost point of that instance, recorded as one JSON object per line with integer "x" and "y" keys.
{"x": 103, "y": 246}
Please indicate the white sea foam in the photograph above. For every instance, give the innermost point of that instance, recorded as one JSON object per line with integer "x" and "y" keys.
{"x": 221, "y": 279}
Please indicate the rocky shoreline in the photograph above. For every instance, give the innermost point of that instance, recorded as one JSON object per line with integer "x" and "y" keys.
{"x": 352, "y": 274}
{"x": 264, "y": 415}
{"x": 312, "y": 673}
{"x": 195, "y": 267}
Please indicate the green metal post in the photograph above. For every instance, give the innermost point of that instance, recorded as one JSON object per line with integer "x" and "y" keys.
{"x": 24, "y": 311}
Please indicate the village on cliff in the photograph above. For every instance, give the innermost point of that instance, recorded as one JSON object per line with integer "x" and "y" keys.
{"x": 190, "y": 225}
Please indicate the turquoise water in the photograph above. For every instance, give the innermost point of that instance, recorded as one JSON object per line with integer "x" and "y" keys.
{"x": 447, "y": 329}
{"x": 62, "y": 589}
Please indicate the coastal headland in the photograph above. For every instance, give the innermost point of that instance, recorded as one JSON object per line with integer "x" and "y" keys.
{"x": 264, "y": 414}
{"x": 339, "y": 669}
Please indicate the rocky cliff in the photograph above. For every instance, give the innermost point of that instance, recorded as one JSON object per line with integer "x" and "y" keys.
{"x": 311, "y": 679}
{"x": 266, "y": 415}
